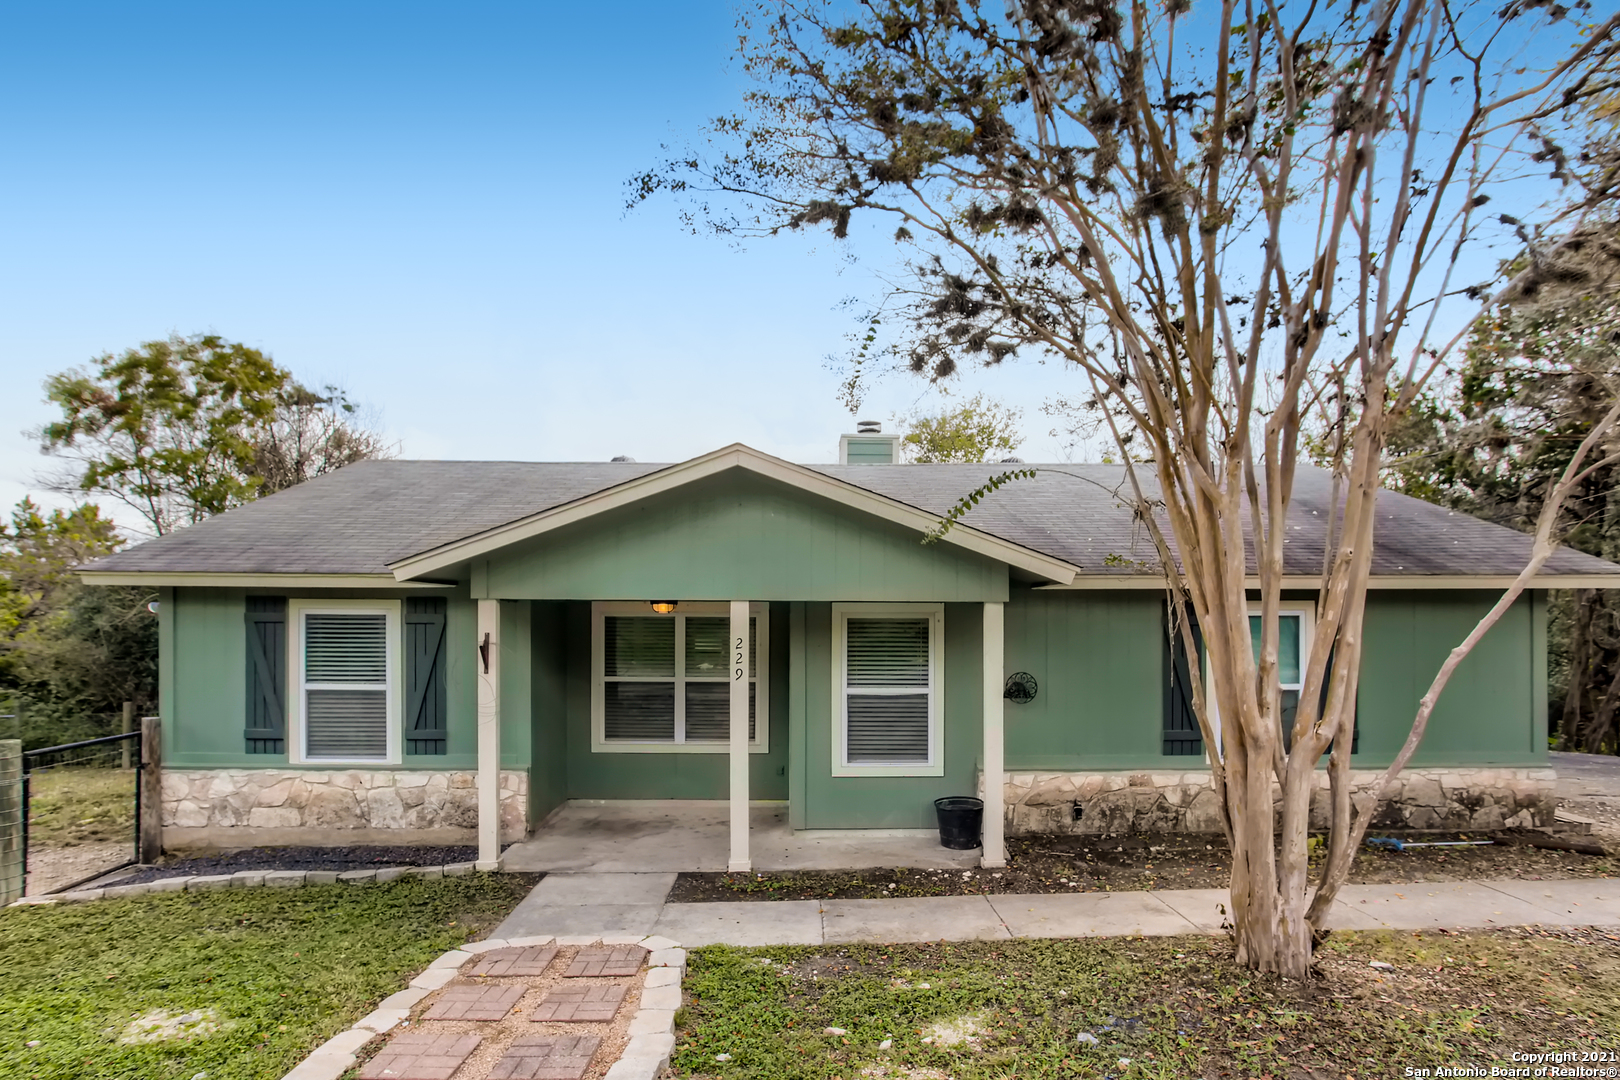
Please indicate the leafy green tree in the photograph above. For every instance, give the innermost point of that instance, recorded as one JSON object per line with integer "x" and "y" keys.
{"x": 979, "y": 429}
{"x": 184, "y": 428}
{"x": 38, "y": 554}
{"x": 70, "y": 654}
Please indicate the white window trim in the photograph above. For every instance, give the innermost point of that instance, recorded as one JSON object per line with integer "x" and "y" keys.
{"x": 935, "y": 766}
{"x": 296, "y": 610}
{"x": 1306, "y": 610}
{"x": 760, "y": 744}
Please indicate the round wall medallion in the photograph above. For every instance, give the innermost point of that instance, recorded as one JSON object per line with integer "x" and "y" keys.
{"x": 1021, "y": 687}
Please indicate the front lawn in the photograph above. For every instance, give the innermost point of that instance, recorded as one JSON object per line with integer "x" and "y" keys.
{"x": 1171, "y": 1008}
{"x": 274, "y": 972}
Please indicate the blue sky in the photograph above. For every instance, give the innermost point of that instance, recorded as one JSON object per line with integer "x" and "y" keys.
{"x": 425, "y": 205}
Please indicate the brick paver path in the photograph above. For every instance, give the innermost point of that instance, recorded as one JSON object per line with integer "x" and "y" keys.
{"x": 421, "y": 1055}
{"x": 594, "y": 1004}
{"x": 475, "y": 1002}
{"x": 618, "y": 960}
{"x": 512, "y": 963}
{"x": 546, "y": 1057}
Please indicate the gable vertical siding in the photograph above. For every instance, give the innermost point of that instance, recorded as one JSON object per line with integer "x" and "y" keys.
{"x": 735, "y": 537}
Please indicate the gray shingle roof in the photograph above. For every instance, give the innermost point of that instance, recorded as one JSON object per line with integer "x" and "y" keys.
{"x": 361, "y": 519}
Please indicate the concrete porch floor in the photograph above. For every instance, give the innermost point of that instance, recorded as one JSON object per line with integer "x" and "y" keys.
{"x": 661, "y": 836}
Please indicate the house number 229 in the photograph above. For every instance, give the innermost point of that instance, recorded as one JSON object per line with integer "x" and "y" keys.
{"x": 738, "y": 661}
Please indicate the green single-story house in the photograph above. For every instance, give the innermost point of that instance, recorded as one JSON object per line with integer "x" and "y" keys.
{"x": 407, "y": 651}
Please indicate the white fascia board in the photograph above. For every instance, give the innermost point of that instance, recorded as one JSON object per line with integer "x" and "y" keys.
{"x": 255, "y": 581}
{"x": 1379, "y": 581}
{"x": 731, "y": 457}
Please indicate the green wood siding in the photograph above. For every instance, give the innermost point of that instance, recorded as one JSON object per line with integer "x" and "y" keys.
{"x": 517, "y": 708}
{"x": 870, "y": 451}
{"x": 548, "y": 672}
{"x": 1494, "y": 709}
{"x": 739, "y": 537}
{"x": 1099, "y": 659}
{"x": 202, "y": 635}
{"x": 896, "y": 802}
{"x": 667, "y": 776}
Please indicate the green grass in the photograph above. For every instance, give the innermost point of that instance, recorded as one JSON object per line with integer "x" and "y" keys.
{"x": 70, "y": 806}
{"x": 284, "y": 969}
{"x": 1175, "y": 1008}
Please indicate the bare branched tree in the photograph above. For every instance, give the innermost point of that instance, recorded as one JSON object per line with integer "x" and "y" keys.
{"x": 1223, "y": 216}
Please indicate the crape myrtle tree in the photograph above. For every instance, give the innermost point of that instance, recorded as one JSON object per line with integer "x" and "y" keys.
{"x": 1224, "y": 216}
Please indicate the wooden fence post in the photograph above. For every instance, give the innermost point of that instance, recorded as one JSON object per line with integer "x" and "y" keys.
{"x": 151, "y": 825}
{"x": 129, "y": 726}
{"x": 13, "y": 868}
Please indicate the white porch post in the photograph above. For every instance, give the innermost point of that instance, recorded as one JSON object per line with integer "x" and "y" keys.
{"x": 488, "y": 667}
{"x": 739, "y": 738}
{"x": 995, "y": 848}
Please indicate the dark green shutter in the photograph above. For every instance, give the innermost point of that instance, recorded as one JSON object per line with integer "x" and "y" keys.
{"x": 1182, "y": 736}
{"x": 266, "y": 731}
{"x": 1291, "y": 707}
{"x": 425, "y": 728}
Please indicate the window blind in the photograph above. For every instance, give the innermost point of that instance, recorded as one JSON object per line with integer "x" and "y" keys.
{"x": 345, "y": 685}
{"x": 665, "y": 678}
{"x": 887, "y": 691}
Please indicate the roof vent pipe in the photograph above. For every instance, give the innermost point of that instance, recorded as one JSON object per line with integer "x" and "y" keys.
{"x": 868, "y": 427}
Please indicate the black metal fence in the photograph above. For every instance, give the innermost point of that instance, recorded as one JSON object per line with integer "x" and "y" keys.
{"x": 81, "y": 810}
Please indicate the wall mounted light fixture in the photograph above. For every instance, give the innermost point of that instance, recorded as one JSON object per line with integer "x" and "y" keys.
{"x": 663, "y": 607}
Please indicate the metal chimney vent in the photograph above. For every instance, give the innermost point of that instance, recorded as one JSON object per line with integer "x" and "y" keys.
{"x": 868, "y": 427}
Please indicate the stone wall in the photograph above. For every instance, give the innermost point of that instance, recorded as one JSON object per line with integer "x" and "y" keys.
{"x": 1118, "y": 802}
{"x": 305, "y": 802}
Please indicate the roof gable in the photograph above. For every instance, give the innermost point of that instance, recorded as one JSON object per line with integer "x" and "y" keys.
{"x": 747, "y": 459}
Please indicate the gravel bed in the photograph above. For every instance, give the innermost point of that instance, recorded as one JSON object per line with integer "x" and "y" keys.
{"x": 359, "y": 857}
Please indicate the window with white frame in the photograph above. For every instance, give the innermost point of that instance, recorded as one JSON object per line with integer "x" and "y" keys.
{"x": 659, "y": 681}
{"x": 345, "y": 681}
{"x": 1290, "y": 659}
{"x": 1294, "y": 628}
{"x": 887, "y": 689}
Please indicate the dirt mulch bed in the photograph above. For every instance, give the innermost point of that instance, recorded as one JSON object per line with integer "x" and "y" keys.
{"x": 1057, "y": 864}
{"x": 358, "y": 857}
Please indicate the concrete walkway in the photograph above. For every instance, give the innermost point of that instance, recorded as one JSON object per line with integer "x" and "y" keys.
{"x": 635, "y": 903}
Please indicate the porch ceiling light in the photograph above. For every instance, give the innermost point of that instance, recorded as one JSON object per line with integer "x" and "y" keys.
{"x": 663, "y": 607}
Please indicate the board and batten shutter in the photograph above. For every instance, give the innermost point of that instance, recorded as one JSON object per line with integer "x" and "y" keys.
{"x": 426, "y": 727}
{"x": 887, "y": 688}
{"x": 1181, "y": 736}
{"x": 266, "y": 731}
{"x": 1355, "y": 716}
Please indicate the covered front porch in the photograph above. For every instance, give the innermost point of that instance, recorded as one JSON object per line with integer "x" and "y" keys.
{"x": 694, "y": 835}
{"x": 743, "y": 630}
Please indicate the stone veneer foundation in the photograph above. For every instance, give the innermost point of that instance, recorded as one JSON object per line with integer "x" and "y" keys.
{"x": 210, "y": 807}
{"x": 1114, "y": 803}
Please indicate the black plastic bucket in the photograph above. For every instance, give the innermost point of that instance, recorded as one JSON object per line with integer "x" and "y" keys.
{"x": 961, "y": 820}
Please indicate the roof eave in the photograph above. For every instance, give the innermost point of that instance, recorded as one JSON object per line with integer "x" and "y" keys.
{"x": 1376, "y": 581}
{"x": 204, "y": 578}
